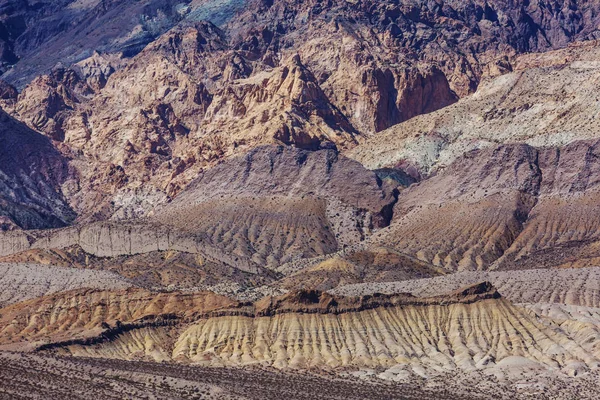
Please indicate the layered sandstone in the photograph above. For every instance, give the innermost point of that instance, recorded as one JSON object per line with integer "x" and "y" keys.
{"x": 310, "y": 329}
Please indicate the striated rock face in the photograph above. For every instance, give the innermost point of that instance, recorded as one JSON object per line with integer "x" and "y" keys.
{"x": 299, "y": 340}
{"x": 287, "y": 173}
{"x": 371, "y": 264}
{"x": 85, "y": 313}
{"x": 271, "y": 206}
{"x": 561, "y": 230}
{"x": 287, "y": 148}
{"x": 152, "y": 270}
{"x": 515, "y": 206}
{"x": 277, "y": 203}
{"x": 567, "y": 286}
{"x": 469, "y": 214}
{"x": 291, "y": 331}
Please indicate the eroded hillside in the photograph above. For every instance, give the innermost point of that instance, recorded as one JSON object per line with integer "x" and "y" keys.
{"x": 283, "y": 196}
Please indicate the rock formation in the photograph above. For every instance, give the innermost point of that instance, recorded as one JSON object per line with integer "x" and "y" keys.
{"x": 34, "y": 174}
{"x": 390, "y": 190}
{"x": 291, "y": 331}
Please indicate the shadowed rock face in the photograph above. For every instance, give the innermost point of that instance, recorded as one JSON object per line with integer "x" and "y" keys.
{"x": 32, "y": 172}
{"x": 36, "y": 37}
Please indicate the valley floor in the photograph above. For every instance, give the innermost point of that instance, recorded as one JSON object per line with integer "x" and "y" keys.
{"x": 47, "y": 377}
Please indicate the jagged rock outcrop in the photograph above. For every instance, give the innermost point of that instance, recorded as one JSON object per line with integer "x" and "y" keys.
{"x": 36, "y": 38}
{"x": 152, "y": 118}
{"x": 47, "y": 104}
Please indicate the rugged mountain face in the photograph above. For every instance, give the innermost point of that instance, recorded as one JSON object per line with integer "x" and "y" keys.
{"x": 271, "y": 206}
{"x": 36, "y": 36}
{"x": 548, "y": 100}
{"x": 33, "y": 174}
{"x": 234, "y": 183}
{"x": 515, "y": 206}
{"x": 154, "y": 116}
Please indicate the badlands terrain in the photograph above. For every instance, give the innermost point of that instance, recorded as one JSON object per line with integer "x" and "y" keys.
{"x": 266, "y": 199}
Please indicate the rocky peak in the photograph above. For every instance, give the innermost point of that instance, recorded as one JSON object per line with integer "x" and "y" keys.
{"x": 48, "y": 102}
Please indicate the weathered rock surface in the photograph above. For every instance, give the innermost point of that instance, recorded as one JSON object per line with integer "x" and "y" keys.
{"x": 200, "y": 93}
{"x": 273, "y": 205}
{"x": 276, "y": 203}
{"x": 32, "y": 176}
{"x": 504, "y": 207}
{"x": 85, "y": 313}
{"x": 290, "y": 331}
{"x": 469, "y": 214}
{"x": 170, "y": 153}
{"x": 372, "y": 264}
{"x": 34, "y": 38}
{"x": 152, "y": 270}
{"x": 569, "y": 286}
{"x": 548, "y": 100}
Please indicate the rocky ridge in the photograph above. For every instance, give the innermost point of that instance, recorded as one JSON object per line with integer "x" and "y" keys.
{"x": 312, "y": 315}
{"x": 200, "y": 92}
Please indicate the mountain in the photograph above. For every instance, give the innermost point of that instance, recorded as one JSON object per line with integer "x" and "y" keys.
{"x": 187, "y": 98}
{"x": 299, "y": 194}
